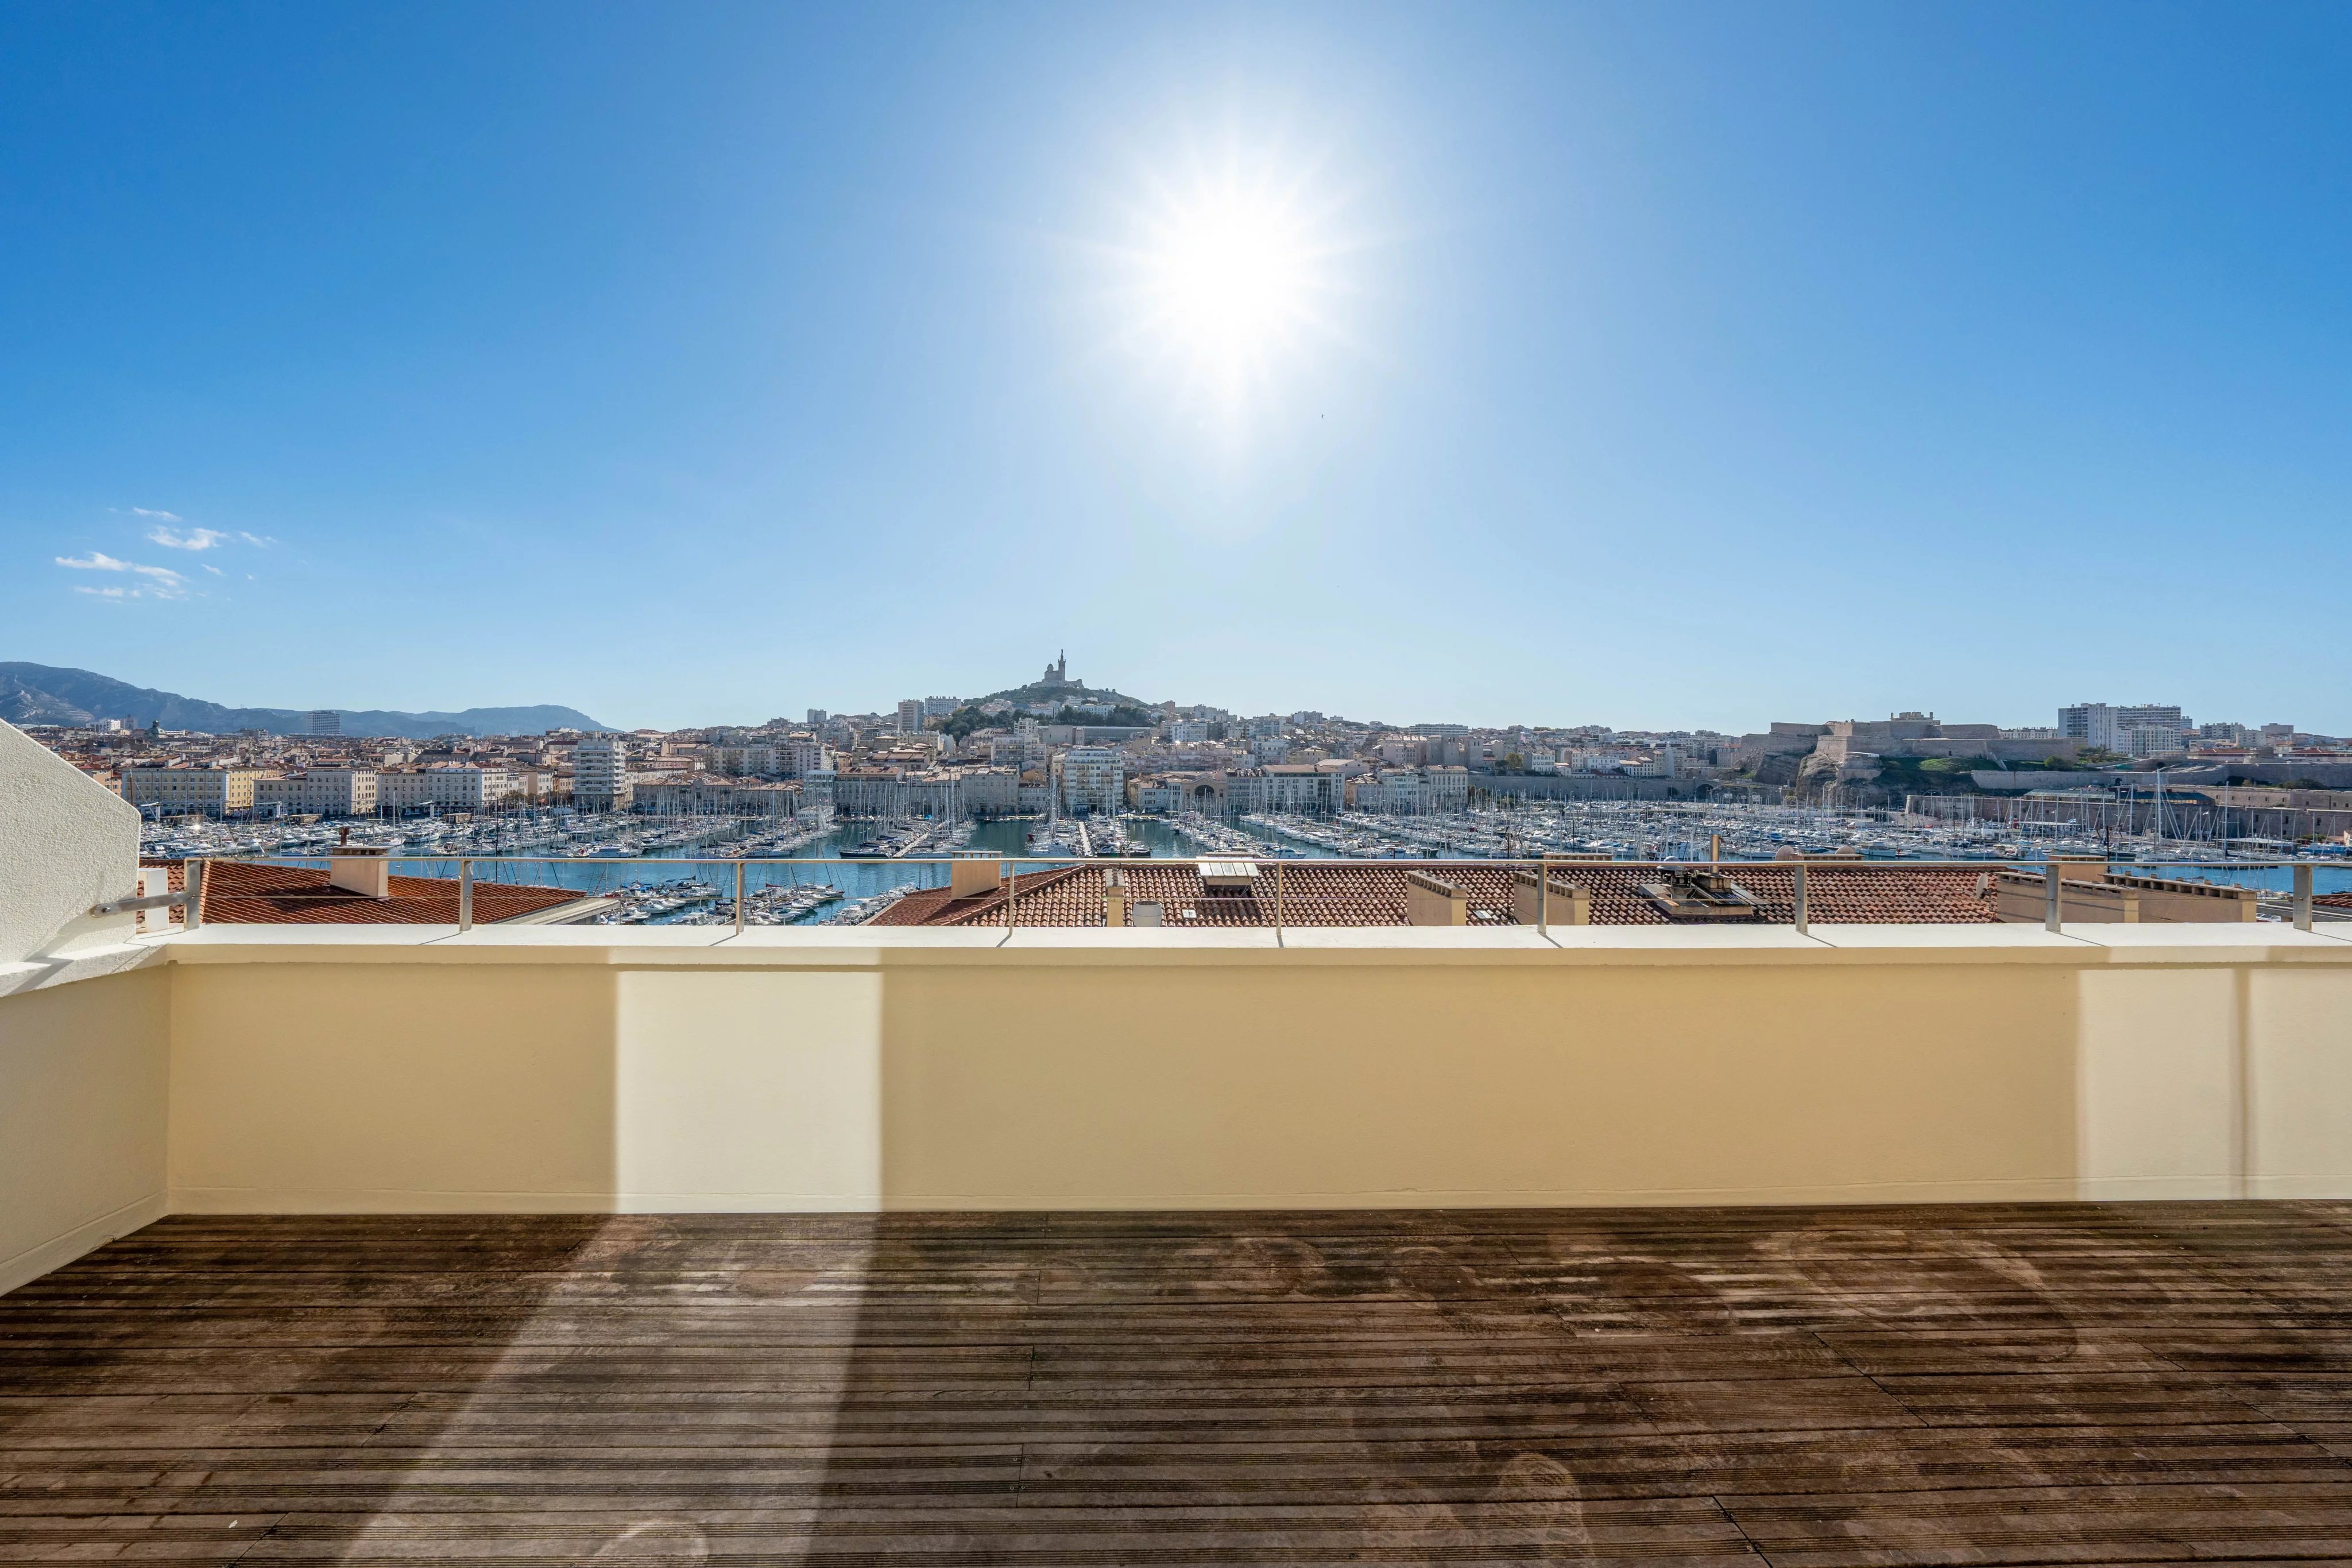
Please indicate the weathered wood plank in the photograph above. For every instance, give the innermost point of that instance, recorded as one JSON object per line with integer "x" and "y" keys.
{"x": 2060, "y": 1382}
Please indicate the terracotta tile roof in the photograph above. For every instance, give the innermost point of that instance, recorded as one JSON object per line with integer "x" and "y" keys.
{"x": 1331, "y": 892}
{"x": 238, "y": 893}
{"x": 2334, "y": 900}
{"x": 939, "y": 907}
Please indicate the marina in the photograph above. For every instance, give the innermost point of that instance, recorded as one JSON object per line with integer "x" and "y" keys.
{"x": 801, "y": 870}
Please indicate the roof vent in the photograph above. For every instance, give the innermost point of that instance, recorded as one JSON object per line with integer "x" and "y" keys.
{"x": 1699, "y": 894}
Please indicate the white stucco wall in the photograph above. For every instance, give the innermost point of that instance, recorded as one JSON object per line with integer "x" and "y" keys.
{"x": 66, "y": 843}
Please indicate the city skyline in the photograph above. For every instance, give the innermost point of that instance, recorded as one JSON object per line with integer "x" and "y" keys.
{"x": 1668, "y": 366}
{"x": 13, "y": 687}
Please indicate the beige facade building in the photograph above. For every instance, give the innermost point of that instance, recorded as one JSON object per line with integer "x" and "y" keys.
{"x": 328, "y": 791}
{"x": 178, "y": 791}
{"x": 445, "y": 789}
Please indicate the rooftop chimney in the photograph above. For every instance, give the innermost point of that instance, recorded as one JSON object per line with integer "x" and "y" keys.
{"x": 973, "y": 874}
{"x": 363, "y": 871}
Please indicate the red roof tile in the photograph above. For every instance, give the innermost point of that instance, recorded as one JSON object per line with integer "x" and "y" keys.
{"x": 239, "y": 892}
{"x": 1334, "y": 892}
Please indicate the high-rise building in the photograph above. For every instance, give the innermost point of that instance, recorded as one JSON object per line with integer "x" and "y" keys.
{"x": 1093, "y": 778}
{"x": 600, "y": 775}
{"x": 911, "y": 716}
{"x": 2110, "y": 729}
{"x": 815, "y": 718}
{"x": 324, "y": 721}
{"x": 2152, "y": 715}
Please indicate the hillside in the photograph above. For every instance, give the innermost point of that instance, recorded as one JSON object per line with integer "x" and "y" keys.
{"x": 45, "y": 694}
{"x": 1074, "y": 692}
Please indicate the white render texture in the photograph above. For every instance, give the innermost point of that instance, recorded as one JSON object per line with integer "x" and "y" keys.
{"x": 66, "y": 842}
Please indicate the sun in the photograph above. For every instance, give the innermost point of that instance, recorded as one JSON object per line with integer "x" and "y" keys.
{"x": 1228, "y": 280}
{"x": 1233, "y": 276}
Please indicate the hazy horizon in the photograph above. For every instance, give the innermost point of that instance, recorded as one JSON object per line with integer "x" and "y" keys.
{"x": 1670, "y": 367}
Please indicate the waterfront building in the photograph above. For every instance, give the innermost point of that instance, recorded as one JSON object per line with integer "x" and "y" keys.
{"x": 458, "y": 788}
{"x": 888, "y": 794}
{"x": 185, "y": 791}
{"x": 1412, "y": 791}
{"x": 1092, "y": 778}
{"x": 600, "y": 777}
{"x": 1156, "y": 794}
{"x": 322, "y": 791}
{"x": 716, "y": 797}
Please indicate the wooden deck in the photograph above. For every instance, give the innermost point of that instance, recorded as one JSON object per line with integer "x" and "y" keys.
{"x": 1803, "y": 1386}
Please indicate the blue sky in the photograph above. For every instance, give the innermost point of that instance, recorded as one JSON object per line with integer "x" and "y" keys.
{"x": 1655, "y": 365}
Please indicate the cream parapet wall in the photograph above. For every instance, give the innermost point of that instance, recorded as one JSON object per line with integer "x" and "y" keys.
{"x": 383, "y": 1071}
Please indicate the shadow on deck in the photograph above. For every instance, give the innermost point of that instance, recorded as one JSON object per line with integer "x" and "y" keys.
{"x": 1804, "y": 1386}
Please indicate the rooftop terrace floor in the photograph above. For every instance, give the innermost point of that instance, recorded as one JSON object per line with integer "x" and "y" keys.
{"x": 1817, "y": 1387}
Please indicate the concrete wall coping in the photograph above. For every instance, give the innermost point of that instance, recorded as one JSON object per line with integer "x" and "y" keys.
{"x": 81, "y": 964}
{"x": 1513, "y": 946}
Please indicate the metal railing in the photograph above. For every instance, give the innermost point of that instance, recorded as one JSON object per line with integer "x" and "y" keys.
{"x": 1549, "y": 873}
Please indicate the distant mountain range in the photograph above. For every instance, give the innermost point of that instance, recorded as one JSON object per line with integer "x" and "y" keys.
{"x": 43, "y": 694}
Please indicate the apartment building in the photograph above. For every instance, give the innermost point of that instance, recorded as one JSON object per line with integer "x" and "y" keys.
{"x": 325, "y": 791}
{"x": 1412, "y": 792}
{"x": 185, "y": 792}
{"x": 1092, "y": 778}
{"x": 600, "y": 774}
{"x": 2109, "y": 728}
{"x": 444, "y": 789}
{"x": 798, "y": 758}
{"x": 742, "y": 762}
{"x": 718, "y": 798}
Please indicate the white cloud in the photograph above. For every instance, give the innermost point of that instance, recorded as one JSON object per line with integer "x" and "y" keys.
{"x": 214, "y": 569}
{"x": 194, "y": 539}
{"x": 159, "y": 517}
{"x": 162, "y": 582}
{"x": 256, "y": 540}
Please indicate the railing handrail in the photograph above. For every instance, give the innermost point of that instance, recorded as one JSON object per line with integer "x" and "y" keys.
{"x": 1557, "y": 862}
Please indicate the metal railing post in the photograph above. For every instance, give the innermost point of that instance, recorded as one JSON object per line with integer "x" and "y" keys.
{"x": 2303, "y": 898}
{"x": 1009, "y": 874}
{"x": 465, "y": 895}
{"x": 1277, "y": 904}
{"x": 738, "y": 896}
{"x": 1543, "y": 897}
{"x": 1797, "y": 906}
{"x": 2049, "y": 897}
{"x": 193, "y": 884}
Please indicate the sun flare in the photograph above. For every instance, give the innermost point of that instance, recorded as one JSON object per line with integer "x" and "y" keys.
{"x": 1228, "y": 280}
{"x": 1233, "y": 276}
